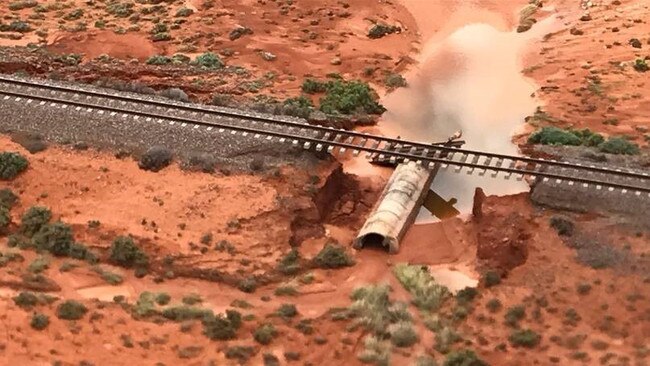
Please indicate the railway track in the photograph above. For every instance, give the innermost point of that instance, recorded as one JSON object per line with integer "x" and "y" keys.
{"x": 83, "y": 99}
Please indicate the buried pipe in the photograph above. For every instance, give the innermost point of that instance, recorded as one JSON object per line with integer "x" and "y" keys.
{"x": 397, "y": 207}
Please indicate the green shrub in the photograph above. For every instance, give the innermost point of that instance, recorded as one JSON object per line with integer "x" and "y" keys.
{"x": 74, "y": 15}
{"x": 285, "y": 291}
{"x": 33, "y": 219}
{"x": 402, "y": 334}
{"x": 220, "y": 327}
{"x": 562, "y": 225}
{"x": 247, "y": 285}
{"x": 375, "y": 351}
{"x": 120, "y": 9}
{"x": 445, "y": 338}
{"x": 55, "y": 238}
{"x": 160, "y": 37}
{"x": 16, "y": 26}
{"x": 234, "y": 317}
{"x": 290, "y": 263}
{"x": 159, "y": 60}
{"x": 5, "y": 220}
{"x": 619, "y": 145}
{"x": 208, "y": 60}
{"x": 22, "y": 4}
{"x": 333, "y": 256}
{"x": 554, "y": 136}
{"x": 425, "y": 360}
{"x": 466, "y": 295}
{"x": 192, "y": 299}
{"x": 7, "y": 198}
{"x": 39, "y": 321}
{"x": 240, "y": 353}
{"x": 125, "y": 253}
{"x": 493, "y": 305}
{"x": 641, "y": 65}
{"x": 372, "y": 309}
{"x": 463, "y": 358}
{"x": 491, "y": 278}
{"x": 184, "y": 12}
{"x": 514, "y": 315}
{"x": 287, "y": 311}
{"x": 11, "y": 165}
{"x": 163, "y": 298}
{"x": 71, "y": 310}
{"x": 347, "y": 97}
{"x": 110, "y": 277}
{"x": 39, "y": 264}
{"x": 427, "y": 294}
{"x": 380, "y": 30}
{"x": 182, "y": 313}
{"x": 524, "y": 338}
{"x": 311, "y": 86}
{"x": 26, "y": 300}
{"x": 145, "y": 305}
{"x": 265, "y": 333}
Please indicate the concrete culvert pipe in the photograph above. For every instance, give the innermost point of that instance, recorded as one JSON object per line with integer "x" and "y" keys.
{"x": 396, "y": 208}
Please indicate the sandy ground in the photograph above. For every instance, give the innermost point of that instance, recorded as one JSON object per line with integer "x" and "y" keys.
{"x": 169, "y": 211}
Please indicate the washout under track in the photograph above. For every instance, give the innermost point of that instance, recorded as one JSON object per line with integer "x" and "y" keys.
{"x": 87, "y": 100}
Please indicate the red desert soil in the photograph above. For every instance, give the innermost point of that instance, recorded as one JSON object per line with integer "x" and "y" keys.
{"x": 313, "y": 38}
{"x": 584, "y": 315}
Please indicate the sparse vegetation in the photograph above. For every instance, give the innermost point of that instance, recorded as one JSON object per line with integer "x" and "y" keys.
{"x": 7, "y": 198}
{"x": 159, "y": 60}
{"x": 182, "y": 313}
{"x": 402, "y": 334}
{"x": 265, "y": 333}
{"x": 562, "y": 225}
{"x": 333, "y": 256}
{"x": 247, "y": 285}
{"x": 208, "y": 60}
{"x": 395, "y": 81}
{"x": 514, "y": 315}
{"x": 375, "y": 351}
{"x": 463, "y": 358}
{"x": 287, "y": 311}
{"x": 493, "y": 305}
{"x": 71, "y": 310}
{"x": 192, "y": 299}
{"x": 126, "y": 253}
{"x": 155, "y": 159}
{"x": 33, "y": 219}
{"x": 491, "y": 278}
{"x": 290, "y": 263}
{"x": 11, "y": 165}
{"x": 221, "y": 327}
{"x": 558, "y": 136}
{"x": 344, "y": 97}
{"x": 427, "y": 294}
{"x": 39, "y": 321}
{"x": 286, "y": 291}
{"x": 619, "y": 145}
{"x": 524, "y": 338}
{"x": 240, "y": 353}
{"x": 163, "y": 298}
{"x": 641, "y": 65}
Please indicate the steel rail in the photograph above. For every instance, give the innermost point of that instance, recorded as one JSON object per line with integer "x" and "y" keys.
{"x": 343, "y": 145}
{"x": 329, "y": 130}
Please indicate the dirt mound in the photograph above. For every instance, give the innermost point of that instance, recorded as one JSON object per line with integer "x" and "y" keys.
{"x": 503, "y": 238}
